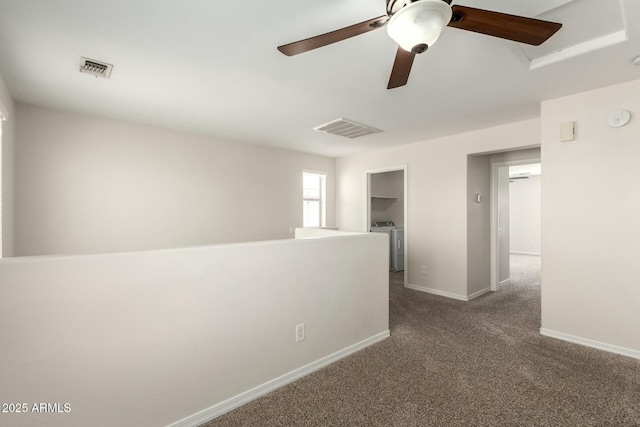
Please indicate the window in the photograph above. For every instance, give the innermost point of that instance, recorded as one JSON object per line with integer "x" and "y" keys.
{"x": 314, "y": 199}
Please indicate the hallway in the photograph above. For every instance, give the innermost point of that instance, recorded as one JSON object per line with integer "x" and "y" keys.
{"x": 455, "y": 363}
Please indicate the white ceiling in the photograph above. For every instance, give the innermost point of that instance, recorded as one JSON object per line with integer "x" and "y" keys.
{"x": 212, "y": 67}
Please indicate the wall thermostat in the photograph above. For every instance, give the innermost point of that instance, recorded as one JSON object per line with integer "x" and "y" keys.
{"x": 619, "y": 118}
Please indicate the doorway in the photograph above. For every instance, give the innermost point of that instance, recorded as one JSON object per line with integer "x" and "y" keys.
{"x": 515, "y": 219}
{"x": 386, "y": 211}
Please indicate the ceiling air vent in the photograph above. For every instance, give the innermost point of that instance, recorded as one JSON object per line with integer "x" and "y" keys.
{"x": 96, "y": 68}
{"x": 346, "y": 128}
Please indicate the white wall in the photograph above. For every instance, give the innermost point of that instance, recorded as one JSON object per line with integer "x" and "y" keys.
{"x": 150, "y": 338}
{"x": 502, "y": 211}
{"x": 478, "y": 225}
{"x": 532, "y": 154}
{"x": 524, "y": 216}
{"x": 7, "y": 146}
{"x": 437, "y": 198}
{"x": 590, "y": 219}
{"x": 318, "y": 232}
{"x": 389, "y": 184}
{"x": 89, "y": 185}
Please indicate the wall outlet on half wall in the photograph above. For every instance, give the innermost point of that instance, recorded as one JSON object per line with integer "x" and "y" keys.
{"x": 424, "y": 269}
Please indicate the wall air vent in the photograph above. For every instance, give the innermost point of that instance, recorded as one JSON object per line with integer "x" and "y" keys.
{"x": 346, "y": 128}
{"x": 96, "y": 68}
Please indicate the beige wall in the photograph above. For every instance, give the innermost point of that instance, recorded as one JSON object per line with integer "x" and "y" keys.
{"x": 437, "y": 198}
{"x": 532, "y": 154}
{"x": 7, "y": 224}
{"x": 89, "y": 185}
{"x": 478, "y": 225}
{"x": 152, "y": 337}
{"x": 590, "y": 219}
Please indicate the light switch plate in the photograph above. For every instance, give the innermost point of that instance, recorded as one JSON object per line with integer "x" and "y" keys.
{"x": 568, "y": 131}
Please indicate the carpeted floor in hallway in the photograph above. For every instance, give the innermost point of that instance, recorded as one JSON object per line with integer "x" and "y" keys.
{"x": 454, "y": 363}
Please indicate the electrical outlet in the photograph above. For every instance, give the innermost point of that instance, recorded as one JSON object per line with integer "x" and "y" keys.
{"x": 424, "y": 269}
{"x": 300, "y": 332}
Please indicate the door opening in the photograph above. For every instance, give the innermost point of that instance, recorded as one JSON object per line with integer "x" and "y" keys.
{"x": 515, "y": 216}
{"x": 386, "y": 211}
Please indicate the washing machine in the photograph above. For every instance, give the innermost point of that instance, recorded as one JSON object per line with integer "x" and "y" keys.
{"x": 386, "y": 227}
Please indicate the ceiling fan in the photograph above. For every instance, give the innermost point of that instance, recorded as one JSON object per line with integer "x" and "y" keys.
{"x": 415, "y": 25}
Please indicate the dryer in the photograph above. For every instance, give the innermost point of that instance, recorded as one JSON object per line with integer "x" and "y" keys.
{"x": 397, "y": 249}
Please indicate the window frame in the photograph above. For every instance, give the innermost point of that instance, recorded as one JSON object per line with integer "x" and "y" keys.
{"x": 322, "y": 199}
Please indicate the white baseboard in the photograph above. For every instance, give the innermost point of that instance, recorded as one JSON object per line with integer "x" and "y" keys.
{"x": 449, "y": 294}
{"x": 591, "y": 343}
{"x": 477, "y": 294}
{"x": 504, "y": 282}
{"x": 438, "y": 292}
{"x": 256, "y": 392}
{"x": 525, "y": 253}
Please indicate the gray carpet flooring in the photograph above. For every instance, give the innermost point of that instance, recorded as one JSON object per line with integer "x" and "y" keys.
{"x": 453, "y": 363}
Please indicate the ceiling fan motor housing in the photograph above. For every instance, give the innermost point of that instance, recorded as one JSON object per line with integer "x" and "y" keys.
{"x": 395, "y": 5}
{"x": 416, "y": 25}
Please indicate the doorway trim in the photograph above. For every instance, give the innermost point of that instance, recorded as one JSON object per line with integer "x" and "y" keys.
{"x": 495, "y": 286}
{"x": 367, "y": 222}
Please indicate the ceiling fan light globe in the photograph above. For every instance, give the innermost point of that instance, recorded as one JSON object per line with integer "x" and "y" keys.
{"x": 419, "y": 23}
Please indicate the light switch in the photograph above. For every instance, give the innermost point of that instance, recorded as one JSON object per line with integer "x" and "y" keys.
{"x": 568, "y": 131}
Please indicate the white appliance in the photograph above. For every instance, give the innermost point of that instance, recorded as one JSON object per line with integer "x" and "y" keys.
{"x": 396, "y": 243}
{"x": 397, "y": 249}
{"x": 384, "y": 227}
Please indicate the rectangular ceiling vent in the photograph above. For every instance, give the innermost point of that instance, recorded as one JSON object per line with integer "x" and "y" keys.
{"x": 96, "y": 68}
{"x": 346, "y": 128}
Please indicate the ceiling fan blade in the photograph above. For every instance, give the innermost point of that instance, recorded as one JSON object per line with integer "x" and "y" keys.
{"x": 401, "y": 68}
{"x": 510, "y": 27}
{"x": 333, "y": 37}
